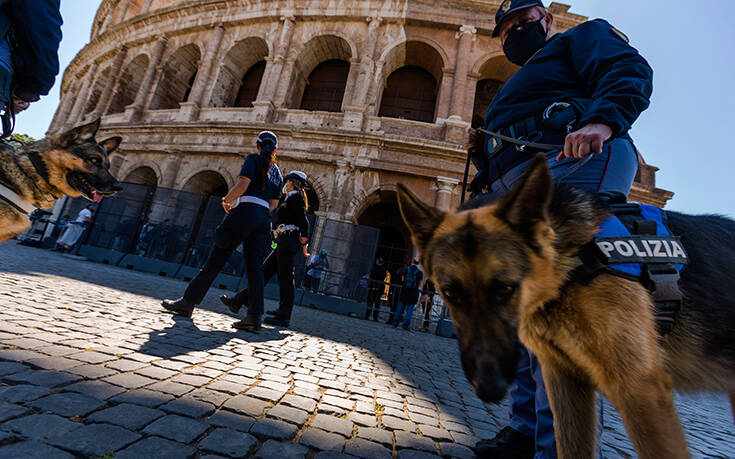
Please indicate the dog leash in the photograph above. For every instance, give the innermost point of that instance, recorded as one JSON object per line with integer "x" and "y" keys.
{"x": 12, "y": 198}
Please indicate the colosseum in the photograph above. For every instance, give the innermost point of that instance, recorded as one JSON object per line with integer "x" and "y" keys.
{"x": 363, "y": 94}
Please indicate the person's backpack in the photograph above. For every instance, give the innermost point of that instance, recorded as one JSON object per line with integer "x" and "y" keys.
{"x": 411, "y": 277}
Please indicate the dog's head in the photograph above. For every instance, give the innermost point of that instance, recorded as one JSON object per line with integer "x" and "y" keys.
{"x": 78, "y": 165}
{"x": 491, "y": 265}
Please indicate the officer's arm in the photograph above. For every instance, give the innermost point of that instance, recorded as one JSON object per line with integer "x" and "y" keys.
{"x": 618, "y": 79}
{"x": 236, "y": 191}
{"x": 273, "y": 204}
{"x": 37, "y": 28}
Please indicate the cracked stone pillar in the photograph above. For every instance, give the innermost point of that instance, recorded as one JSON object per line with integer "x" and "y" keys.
{"x": 81, "y": 101}
{"x": 272, "y": 81}
{"x": 464, "y": 48}
{"x": 190, "y": 108}
{"x": 445, "y": 188}
{"x": 123, "y": 11}
{"x": 134, "y": 111}
{"x": 115, "y": 73}
{"x": 147, "y": 6}
{"x": 355, "y": 109}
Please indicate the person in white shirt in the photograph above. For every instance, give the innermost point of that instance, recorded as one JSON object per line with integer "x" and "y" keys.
{"x": 74, "y": 229}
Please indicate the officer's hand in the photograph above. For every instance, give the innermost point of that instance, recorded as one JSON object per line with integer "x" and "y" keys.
{"x": 582, "y": 142}
{"x": 19, "y": 105}
{"x": 470, "y": 139}
{"x": 303, "y": 240}
{"x": 226, "y": 206}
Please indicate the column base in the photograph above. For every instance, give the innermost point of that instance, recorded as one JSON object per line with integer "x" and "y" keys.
{"x": 353, "y": 119}
{"x": 455, "y": 129}
{"x": 133, "y": 113}
{"x": 188, "y": 111}
{"x": 264, "y": 111}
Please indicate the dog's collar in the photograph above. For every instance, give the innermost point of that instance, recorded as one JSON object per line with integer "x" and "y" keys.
{"x": 12, "y": 198}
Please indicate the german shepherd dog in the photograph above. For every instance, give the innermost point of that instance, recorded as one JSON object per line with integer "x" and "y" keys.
{"x": 39, "y": 173}
{"x": 503, "y": 267}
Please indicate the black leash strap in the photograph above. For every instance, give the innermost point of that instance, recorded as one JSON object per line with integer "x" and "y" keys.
{"x": 8, "y": 120}
{"x": 466, "y": 173}
{"x": 524, "y": 143}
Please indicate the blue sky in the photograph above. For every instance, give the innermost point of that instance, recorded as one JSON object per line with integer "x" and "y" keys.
{"x": 685, "y": 132}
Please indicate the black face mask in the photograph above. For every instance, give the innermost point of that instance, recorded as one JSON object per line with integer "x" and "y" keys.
{"x": 523, "y": 41}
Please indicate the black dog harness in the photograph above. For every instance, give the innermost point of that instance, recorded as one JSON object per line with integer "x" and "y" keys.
{"x": 649, "y": 254}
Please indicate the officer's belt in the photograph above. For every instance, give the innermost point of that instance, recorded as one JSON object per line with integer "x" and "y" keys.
{"x": 254, "y": 200}
{"x": 284, "y": 229}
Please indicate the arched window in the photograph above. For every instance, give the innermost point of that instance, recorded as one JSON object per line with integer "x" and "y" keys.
{"x": 177, "y": 77}
{"x": 486, "y": 90}
{"x": 410, "y": 93}
{"x": 326, "y": 87}
{"x": 250, "y": 85}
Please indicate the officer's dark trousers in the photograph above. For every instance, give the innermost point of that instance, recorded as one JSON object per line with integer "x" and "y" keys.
{"x": 375, "y": 291}
{"x": 279, "y": 261}
{"x": 247, "y": 224}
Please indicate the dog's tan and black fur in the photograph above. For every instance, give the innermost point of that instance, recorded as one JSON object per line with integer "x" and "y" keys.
{"x": 504, "y": 270}
{"x": 71, "y": 164}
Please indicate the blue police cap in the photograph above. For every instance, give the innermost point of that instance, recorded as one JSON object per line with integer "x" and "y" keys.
{"x": 267, "y": 139}
{"x": 511, "y": 6}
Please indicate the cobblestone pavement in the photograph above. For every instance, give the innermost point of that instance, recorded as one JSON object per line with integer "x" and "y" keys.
{"x": 90, "y": 365}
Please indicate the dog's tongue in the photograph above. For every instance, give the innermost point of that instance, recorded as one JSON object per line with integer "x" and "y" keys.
{"x": 97, "y": 197}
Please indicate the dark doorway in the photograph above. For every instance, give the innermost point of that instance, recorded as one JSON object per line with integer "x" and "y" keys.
{"x": 393, "y": 243}
{"x": 326, "y": 87}
{"x": 250, "y": 85}
{"x": 410, "y": 93}
{"x": 484, "y": 94}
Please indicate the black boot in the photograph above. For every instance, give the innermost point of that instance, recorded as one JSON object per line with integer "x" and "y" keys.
{"x": 180, "y": 307}
{"x": 275, "y": 312}
{"x": 507, "y": 444}
{"x": 250, "y": 323}
{"x": 230, "y": 303}
{"x": 277, "y": 320}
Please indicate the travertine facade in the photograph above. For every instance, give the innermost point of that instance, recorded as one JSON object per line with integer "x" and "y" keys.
{"x": 180, "y": 81}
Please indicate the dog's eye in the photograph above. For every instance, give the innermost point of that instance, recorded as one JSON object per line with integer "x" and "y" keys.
{"x": 96, "y": 161}
{"x": 506, "y": 289}
{"x": 450, "y": 294}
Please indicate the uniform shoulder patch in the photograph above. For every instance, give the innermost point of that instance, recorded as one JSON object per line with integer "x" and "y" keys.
{"x": 619, "y": 34}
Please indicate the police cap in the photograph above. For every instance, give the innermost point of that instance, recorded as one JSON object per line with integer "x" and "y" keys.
{"x": 296, "y": 175}
{"x": 267, "y": 140}
{"x": 511, "y": 6}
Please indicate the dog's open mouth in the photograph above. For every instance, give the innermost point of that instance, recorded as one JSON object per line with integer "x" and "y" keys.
{"x": 81, "y": 184}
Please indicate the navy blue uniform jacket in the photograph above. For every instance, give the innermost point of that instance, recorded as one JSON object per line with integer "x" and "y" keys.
{"x": 36, "y": 28}
{"x": 590, "y": 64}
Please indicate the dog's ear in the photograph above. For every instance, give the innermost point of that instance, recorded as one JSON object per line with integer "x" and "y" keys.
{"x": 79, "y": 134}
{"x": 111, "y": 144}
{"x": 528, "y": 203}
{"x": 420, "y": 219}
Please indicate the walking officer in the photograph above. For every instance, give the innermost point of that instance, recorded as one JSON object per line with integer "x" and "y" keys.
{"x": 247, "y": 222}
{"x": 582, "y": 89}
{"x": 291, "y": 235}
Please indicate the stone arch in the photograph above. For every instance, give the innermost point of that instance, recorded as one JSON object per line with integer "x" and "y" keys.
{"x": 142, "y": 175}
{"x": 316, "y": 51}
{"x": 235, "y": 68}
{"x": 206, "y": 182}
{"x": 407, "y": 66}
{"x": 177, "y": 78}
{"x": 129, "y": 84}
{"x": 492, "y": 71}
{"x": 379, "y": 209}
{"x": 100, "y": 82}
{"x": 134, "y": 9}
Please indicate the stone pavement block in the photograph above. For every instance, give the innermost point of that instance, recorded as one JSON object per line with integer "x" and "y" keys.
{"x": 228, "y": 442}
{"x": 408, "y": 440}
{"x": 271, "y": 428}
{"x": 266, "y": 394}
{"x": 337, "y": 401}
{"x": 365, "y": 407}
{"x": 192, "y": 380}
{"x": 92, "y": 357}
{"x": 89, "y": 371}
{"x": 129, "y": 380}
{"x": 32, "y": 450}
{"x": 366, "y": 420}
{"x": 126, "y": 415}
{"x": 413, "y": 454}
{"x": 321, "y": 440}
{"x": 144, "y": 397}
{"x": 68, "y": 404}
{"x": 189, "y": 407}
{"x": 330, "y": 410}
{"x": 289, "y": 414}
{"x": 332, "y": 424}
{"x": 332, "y": 455}
{"x": 313, "y": 394}
{"x": 54, "y": 363}
{"x": 126, "y": 365}
{"x": 466, "y": 440}
{"x": 41, "y": 426}
{"x": 301, "y": 403}
{"x": 226, "y": 386}
{"x": 392, "y": 423}
{"x": 176, "y": 428}
{"x": 156, "y": 447}
{"x": 210, "y": 396}
{"x": 19, "y": 355}
{"x": 376, "y": 435}
{"x": 8, "y": 368}
{"x": 362, "y": 448}
{"x": 436, "y": 433}
{"x": 10, "y": 411}
{"x": 97, "y": 389}
{"x": 246, "y": 405}
{"x": 95, "y": 439}
{"x": 22, "y": 393}
{"x": 272, "y": 449}
{"x": 229, "y": 419}
{"x": 170, "y": 387}
{"x": 43, "y": 378}
{"x": 455, "y": 450}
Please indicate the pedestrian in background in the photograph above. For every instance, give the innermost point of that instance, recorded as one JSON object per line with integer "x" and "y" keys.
{"x": 411, "y": 277}
{"x": 315, "y": 269}
{"x": 247, "y": 222}
{"x": 376, "y": 287}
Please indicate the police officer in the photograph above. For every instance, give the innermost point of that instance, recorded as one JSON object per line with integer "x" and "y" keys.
{"x": 376, "y": 288}
{"x": 582, "y": 89}
{"x": 248, "y": 222}
{"x": 30, "y": 33}
{"x": 291, "y": 234}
